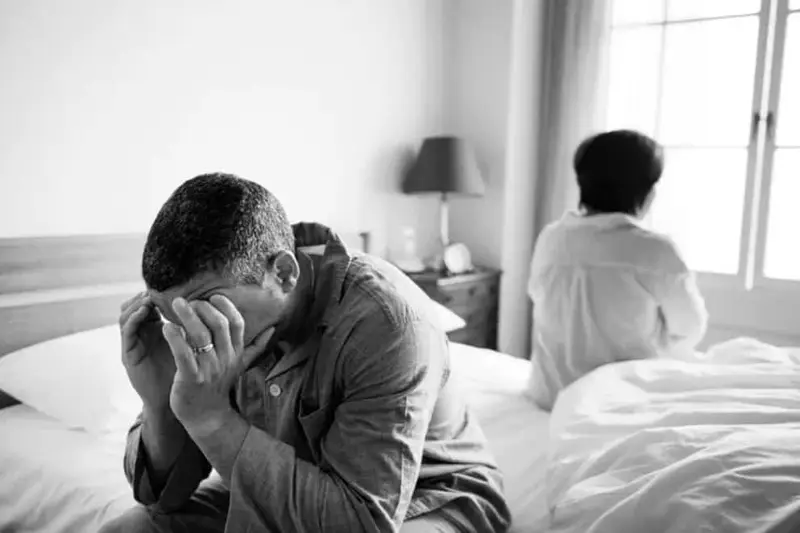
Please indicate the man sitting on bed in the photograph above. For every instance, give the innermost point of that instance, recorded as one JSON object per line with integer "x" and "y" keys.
{"x": 314, "y": 382}
{"x": 604, "y": 287}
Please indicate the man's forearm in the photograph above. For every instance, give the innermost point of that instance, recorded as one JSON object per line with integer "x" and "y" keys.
{"x": 163, "y": 437}
{"x": 220, "y": 437}
{"x": 272, "y": 490}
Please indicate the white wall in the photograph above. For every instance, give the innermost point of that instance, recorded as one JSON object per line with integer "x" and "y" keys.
{"x": 524, "y": 145}
{"x": 107, "y": 105}
{"x": 478, "y": 48}
{"x": 765, "y": 313}
{"x": 483, "y": 86}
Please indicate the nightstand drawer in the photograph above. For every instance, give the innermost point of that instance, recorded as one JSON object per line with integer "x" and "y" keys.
{"x": 468, "y": 294}
{"x": 472, "y": 296}
{"x": 476, "y": 315}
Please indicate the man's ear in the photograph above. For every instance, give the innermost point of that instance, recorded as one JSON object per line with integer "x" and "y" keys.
{"x": 287, "y": 270}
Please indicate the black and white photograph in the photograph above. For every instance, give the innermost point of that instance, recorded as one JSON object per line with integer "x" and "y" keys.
{"x": 400, "y": 266}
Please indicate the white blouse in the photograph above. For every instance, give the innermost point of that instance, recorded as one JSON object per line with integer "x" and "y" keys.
{"x": 606, "y": 289}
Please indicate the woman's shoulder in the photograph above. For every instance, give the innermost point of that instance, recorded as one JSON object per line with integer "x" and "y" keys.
{"x": 607, "y": 240}
{"x": 659, "y": 251}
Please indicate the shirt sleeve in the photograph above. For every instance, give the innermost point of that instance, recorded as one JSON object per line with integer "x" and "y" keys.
{"x": 370, "y": 456}
{"x": 683, "y": 310}
{"x": 188, "y": 471}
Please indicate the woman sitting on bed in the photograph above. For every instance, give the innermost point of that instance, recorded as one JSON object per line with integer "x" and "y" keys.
{"x": 604, "y": 287}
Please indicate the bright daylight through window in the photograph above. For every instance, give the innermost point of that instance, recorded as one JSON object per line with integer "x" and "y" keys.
{"x": 718, "y": 83}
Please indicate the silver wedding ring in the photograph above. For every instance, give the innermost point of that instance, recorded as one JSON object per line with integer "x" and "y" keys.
{"x": 204, "y": 349}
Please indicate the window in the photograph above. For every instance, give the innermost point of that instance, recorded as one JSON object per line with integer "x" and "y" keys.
{"x": 717, "y": 82}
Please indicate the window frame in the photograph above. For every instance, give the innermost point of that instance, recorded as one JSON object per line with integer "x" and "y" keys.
{"x": 743, "y": 269}
{"x": 749, "y": 300}
{"x": 770, "y": 147}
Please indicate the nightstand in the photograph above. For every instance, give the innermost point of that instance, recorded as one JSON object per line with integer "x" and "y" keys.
{"x": 473, "y": 296}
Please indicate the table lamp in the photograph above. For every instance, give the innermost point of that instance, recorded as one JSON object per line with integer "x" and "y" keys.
{"x": 446, "y": 166}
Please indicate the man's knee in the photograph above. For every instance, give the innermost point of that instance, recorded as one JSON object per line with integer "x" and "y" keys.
{"x": 135, "y": 520}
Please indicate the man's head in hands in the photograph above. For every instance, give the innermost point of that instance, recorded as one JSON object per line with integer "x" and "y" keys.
{"x": 219, "y": 234}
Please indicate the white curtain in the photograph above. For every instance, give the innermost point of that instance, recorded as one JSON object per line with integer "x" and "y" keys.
{"x": 557, "y": 98}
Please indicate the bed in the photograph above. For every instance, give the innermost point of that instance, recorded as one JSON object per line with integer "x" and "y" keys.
{"x": 709, "y": 443}
{"x": 57, "y": 299}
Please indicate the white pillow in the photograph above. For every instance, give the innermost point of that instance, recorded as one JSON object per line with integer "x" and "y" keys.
{"x": 448, "y": 320}
{"x": 78, "y": 379}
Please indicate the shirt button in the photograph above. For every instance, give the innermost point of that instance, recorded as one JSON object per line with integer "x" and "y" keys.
{"x": 274, "y": 390}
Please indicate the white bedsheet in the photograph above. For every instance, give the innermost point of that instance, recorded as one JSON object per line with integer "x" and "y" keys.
{"x": 517, "y": 430}
{"x": 670, "y": 446}
{"x": 53, "y": 479}
{"x": 57, "y": 480}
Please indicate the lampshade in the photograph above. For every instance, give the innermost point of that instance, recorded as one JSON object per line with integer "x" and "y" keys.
{"x": 445, "y": 165}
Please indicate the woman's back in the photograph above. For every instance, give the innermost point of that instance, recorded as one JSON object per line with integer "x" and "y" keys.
{"x": 601, "y": 286}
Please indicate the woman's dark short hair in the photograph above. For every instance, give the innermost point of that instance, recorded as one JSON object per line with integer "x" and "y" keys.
{"x": 617, "y": 170}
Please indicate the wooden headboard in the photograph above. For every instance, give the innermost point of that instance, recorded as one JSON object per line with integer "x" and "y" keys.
{"x": 54, "y": 286}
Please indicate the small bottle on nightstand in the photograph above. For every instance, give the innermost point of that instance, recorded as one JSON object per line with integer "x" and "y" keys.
{"x": 408, "y": 261}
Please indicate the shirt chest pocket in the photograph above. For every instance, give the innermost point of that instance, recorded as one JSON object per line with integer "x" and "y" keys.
{"x": 317, "y": 406}
{"x": 314, "y": 423}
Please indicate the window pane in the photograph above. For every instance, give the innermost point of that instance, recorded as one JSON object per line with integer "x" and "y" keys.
{"x": 789, "y": 112}
{"x": 699, "y": 203}
{"x": 709, "y": 70}
{"x": 633, "y": 79}
{"x": 695, "y": 9}
{"x": 782, "y": 259}
{"x": 637, "y": 11}
{"x": 794, "y": 4}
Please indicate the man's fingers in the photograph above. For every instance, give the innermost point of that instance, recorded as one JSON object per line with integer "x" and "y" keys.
{"x": 131, "y": 306}
{"x": 132, "y": 300}
{"x": 132, "y": 319}
{"x": 196, "y": 331}
{"x": 181, "y": 351}
{"x": 130, "y": 328}
{"x": 219, "y": 326}
{"x": 154, "y": 315}
{"x": 235, "y": 320}
{"x": 257, "y": 347}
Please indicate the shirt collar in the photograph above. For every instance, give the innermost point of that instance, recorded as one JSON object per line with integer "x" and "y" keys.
{"x": 604, "y": 220}
{"x": 328, "y": 262}
{"x": 331, "y": 261}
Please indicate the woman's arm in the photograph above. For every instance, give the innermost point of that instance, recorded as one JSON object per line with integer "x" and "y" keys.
{"x": 684, "y": 311}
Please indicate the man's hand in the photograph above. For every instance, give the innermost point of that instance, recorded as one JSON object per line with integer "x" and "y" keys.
{"x": 145, "y": 353}
{"x": 204, "y": 378}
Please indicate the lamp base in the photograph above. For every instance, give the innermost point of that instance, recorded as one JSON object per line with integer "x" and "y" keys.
{"x": 437, "y": 263}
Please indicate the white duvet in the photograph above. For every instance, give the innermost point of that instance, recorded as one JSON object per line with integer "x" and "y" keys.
{"x": 670, "y": 446}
